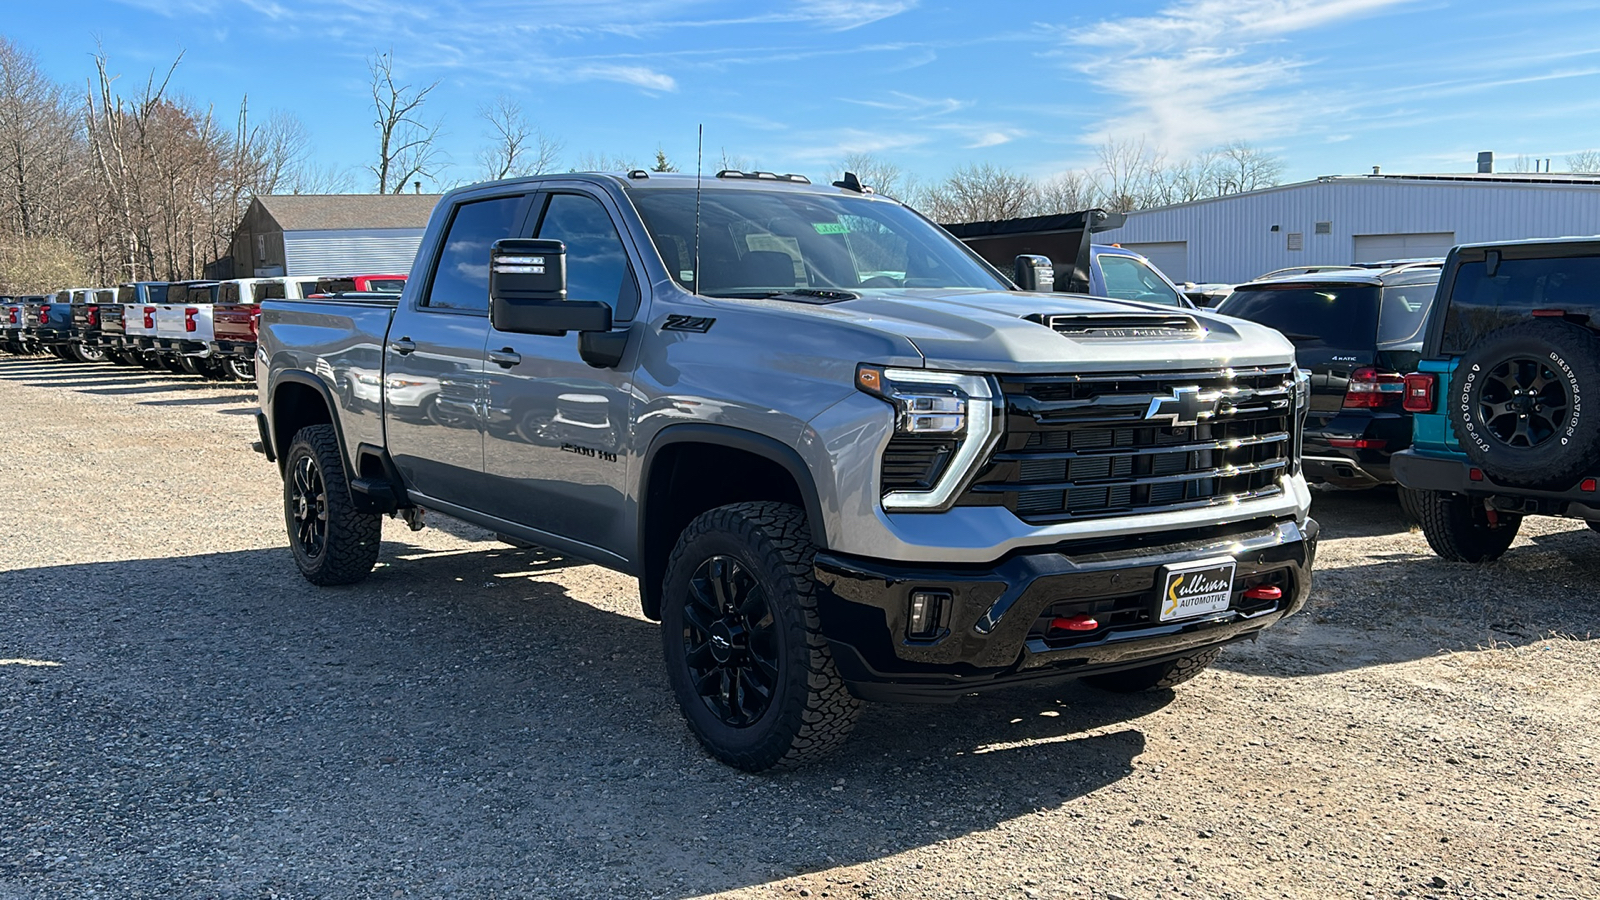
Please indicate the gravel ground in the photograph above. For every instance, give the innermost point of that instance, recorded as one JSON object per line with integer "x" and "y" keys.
{"x": 182, "y": 716}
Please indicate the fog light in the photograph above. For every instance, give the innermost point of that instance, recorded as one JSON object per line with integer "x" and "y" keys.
{"x": 927, "y": 613}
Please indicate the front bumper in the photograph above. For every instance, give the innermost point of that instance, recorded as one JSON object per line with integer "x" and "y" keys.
{"x": 1424, "y": 472}
{"x": 993, "y": 635}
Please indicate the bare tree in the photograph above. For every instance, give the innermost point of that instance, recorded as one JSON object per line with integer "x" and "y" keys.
{"x": 1130, "y": 174}
{"x": 883, "y": 176}
{"x": 979, "y": 192}
{"x": 1586, "y": 162}
{"x": 405, "y": 138}
{"x": 516, "y": 146}
{"x": 604, "y": 162}
{"x": 1065, "y": 193}
{"x": 40, "y": 146}
{"x": 1242, "y": 167}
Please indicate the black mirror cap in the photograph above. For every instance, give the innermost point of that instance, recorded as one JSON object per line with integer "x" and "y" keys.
{"x": 555, "y": 317}
{"x": 1034, "y": 273}
{"x": 528, "y": 269}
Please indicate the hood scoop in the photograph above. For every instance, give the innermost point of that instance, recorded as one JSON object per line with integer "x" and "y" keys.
{"x": 815, "y": 296}
{"x": 1121, "y": 326}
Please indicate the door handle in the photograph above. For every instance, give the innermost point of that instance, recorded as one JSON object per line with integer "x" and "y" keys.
{"x": 505, "y": 358}
{"x": 404, "y": 346}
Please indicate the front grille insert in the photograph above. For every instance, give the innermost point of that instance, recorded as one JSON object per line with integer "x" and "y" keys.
{"x": 914, "y": 463}
{"x": 1087, "y": 446}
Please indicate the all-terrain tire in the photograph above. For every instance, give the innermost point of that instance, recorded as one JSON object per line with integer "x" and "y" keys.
{"x": 240, "y": 369}
{"x": 808, "y": 710}
{"x": 1525, "y": 403}
{"x": 1167, "y": 674}
{"x": 1410, "y": 503}
{"x": 1458, "y": 528}
{"x": 349, "y": 539}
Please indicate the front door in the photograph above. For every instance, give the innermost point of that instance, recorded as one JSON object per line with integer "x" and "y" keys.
{"x": 557, "y": 427}
{"x": 432, "y": 379}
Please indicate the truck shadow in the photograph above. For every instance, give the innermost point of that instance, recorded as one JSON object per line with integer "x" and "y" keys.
{"x": 107, "y": 380}
{"x": 460, "y": 715}
{"x": 1373, "y": 512}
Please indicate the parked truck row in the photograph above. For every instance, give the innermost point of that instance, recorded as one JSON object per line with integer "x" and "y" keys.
{"x": 204, "y": 328}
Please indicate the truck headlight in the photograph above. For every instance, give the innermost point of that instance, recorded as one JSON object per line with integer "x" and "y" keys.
{"x": 927, "y": 404}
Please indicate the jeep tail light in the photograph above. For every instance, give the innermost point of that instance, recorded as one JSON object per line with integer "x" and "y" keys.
{"x": 188, "y": 319}
{"x": 44, "y": 315}
{"x": 92, "y": 315}
{"x": 1372, "y": 389}
{"x": 149, "y": 317}
{"x": 1419, "y": 388}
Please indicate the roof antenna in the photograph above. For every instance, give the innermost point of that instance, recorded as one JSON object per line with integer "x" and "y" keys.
{"x": 699, "y": 157}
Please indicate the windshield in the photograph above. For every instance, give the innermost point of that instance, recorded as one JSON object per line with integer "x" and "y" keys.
{"x": 761, "y": 243}
{"x": 1329, "y": 315}
{"x": 1129, "y": 278}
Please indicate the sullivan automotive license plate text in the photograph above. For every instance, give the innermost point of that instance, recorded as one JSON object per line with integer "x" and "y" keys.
{"x": 1197, "y": 589}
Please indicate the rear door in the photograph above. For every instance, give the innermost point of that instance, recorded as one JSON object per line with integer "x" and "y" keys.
{"x": 433, "y": 391}
{"x": 1333, "y": 326}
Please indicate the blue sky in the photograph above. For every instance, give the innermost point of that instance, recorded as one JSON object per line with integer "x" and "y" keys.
{"x": 1331, "y": 86}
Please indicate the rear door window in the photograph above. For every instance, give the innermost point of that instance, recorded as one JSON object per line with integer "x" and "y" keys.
{"x": 461, "y": 276}
{"x": 1311, "y": 315}
{"x": 1128, "y": 278}
{"x": 1481, "y": 303}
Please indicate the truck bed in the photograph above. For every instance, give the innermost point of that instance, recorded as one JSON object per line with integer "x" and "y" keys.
{"x": 329, "y": 338}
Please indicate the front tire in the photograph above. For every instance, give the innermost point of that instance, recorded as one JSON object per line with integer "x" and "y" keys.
{"x": 1167, "y": 674}
{"x": 1459, "y": 529}
{"x": 332, "y": 542}
{"x": 743, "y": 643}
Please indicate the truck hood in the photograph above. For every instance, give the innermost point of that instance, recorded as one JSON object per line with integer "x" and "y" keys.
{"x": 1003, "y": 331}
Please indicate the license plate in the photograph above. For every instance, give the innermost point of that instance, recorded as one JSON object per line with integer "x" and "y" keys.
{"x": 1197, "y": 589}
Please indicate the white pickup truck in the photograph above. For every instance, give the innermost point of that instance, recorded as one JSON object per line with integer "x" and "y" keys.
{"x": 183, "y": 330}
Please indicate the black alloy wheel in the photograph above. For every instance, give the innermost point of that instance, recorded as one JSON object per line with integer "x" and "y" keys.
{"x": 308, "y": 507}
{"x": 1524, "y": 403}
{"x": 729, "y": 641}
{"x": 742, "y": 639}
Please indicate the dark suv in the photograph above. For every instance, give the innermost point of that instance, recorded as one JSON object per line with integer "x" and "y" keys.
{"x": 1357, "y": 333}
{"x": 1502, "y": 428}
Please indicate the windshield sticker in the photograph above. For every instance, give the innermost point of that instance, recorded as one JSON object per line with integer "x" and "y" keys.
{"x": 830, "y": 227}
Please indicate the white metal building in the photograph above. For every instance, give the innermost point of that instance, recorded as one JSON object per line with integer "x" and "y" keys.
{"x": 1337, "y": 220}
{"x": 330, "y": 234}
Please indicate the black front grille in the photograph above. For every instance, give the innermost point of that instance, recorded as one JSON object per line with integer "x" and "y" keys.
{"x": 1105, "y": 445}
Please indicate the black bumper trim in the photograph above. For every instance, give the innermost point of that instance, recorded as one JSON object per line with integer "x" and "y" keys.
{"x": 990, "y": 640}
{"x": 1423, "y": 472}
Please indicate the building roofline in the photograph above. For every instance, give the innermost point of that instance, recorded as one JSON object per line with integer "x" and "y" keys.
{"x": 1519, "y": 179}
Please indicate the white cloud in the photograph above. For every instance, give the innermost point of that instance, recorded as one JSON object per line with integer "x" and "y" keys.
{"x": 638, "y": 76}
{"x": 993, "y": 139}
{"x": 1202, "y": 72}
{"x": 843, "y": 15}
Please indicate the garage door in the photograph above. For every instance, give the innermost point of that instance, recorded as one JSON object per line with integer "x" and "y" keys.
{"x": 1379, "y": 247}
{"x": 1171, "y": 257}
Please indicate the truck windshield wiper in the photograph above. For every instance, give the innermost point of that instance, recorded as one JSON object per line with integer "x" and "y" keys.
{"x": 819, "y": 296}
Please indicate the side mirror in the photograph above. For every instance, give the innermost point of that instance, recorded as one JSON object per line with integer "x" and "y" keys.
{"x": 1034, "y": 273}
{"x": 528, "y": 291}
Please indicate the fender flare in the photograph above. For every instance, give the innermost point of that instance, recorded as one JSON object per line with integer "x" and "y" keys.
{"x": 302, "y": 377}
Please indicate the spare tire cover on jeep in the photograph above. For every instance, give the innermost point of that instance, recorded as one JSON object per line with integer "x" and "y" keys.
{"x": 1525, "y": 403}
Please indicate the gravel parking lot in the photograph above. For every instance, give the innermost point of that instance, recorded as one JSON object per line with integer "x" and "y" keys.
{"x": 182, "y": 715}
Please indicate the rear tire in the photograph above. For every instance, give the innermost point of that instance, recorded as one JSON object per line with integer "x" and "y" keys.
{"x": 1167, "y": 674}
{"x": 332, "y": 542}
{"x": 1458, "y": 528}
{"x": 240, "y": 369}
{"x": 85, "y": 354}
{"x": 1410, "y": 503}
{"x": 743, "y": 644}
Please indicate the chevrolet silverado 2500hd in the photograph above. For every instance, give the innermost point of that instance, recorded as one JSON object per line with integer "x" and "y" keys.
{"x": 845, "y": 457}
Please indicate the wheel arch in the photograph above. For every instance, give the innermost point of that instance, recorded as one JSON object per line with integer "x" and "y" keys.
{"x": 694, "y": 467}
{"x": 298, "y": 399}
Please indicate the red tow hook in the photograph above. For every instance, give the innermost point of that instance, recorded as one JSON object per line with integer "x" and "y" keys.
{"x": 1265, "y": 592}
{"x": 1079, "y": 622}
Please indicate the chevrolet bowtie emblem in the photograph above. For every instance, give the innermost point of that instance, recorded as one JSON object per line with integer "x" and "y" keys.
{"x": 1186, "y": 406}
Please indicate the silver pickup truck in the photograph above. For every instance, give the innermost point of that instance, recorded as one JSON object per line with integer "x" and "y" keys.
{"x": 847, "y": 459}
